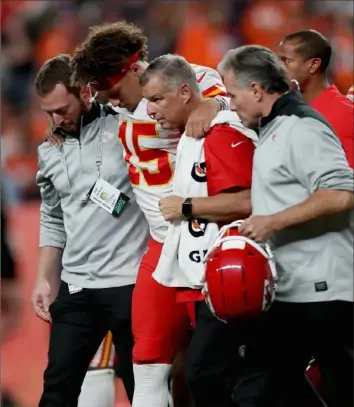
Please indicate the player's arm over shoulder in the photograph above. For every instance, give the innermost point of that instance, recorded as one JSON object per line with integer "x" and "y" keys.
{"x": 209, "y": 81}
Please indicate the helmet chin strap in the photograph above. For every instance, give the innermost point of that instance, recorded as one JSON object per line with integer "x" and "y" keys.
{"x": 216, "y": 242}
{"x": 263, "y": 248}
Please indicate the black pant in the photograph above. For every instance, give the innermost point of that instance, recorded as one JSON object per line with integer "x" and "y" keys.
{"x": 221, "y": 354}
{"x": 299, "y": 331}
{"x": 80, "y": 322}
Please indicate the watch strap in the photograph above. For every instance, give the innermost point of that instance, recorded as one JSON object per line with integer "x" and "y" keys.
{"x": 187, "y": 208}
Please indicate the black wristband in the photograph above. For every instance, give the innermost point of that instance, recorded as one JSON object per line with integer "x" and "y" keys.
{"x": 187, "y": 208}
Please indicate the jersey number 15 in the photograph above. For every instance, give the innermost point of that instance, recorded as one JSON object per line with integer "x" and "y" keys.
{"x": 151, "y": 165}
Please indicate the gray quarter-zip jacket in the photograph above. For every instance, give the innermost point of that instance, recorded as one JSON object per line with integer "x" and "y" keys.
{"x": 99, "y": 250}
{"x": 297, "y": 154}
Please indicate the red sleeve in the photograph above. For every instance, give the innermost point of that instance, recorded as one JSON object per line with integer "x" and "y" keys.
{"x": 347, "y": 140}
{"x": 344, "y": 127}
{"x": 339, "y": 112}
{"x": 229, "y": 159}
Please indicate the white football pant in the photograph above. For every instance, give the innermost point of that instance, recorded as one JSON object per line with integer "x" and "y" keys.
{"x": 98, "y": 389}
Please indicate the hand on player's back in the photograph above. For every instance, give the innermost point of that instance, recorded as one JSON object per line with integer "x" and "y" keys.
{"x": 53, "y": 138}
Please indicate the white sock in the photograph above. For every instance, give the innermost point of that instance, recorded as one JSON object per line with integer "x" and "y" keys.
{"x": 170, "y": 395}
{"x": 151, "y": 385}
{"x": 97, "y": 389}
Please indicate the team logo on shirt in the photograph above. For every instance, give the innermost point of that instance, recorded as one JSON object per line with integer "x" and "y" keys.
{"x": 199, "y": 172}
{"x": 197, "y": 227}
{"x": 197, "y": 255}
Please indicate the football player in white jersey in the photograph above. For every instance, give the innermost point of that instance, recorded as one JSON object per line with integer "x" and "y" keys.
{"x": 111, "y": 60}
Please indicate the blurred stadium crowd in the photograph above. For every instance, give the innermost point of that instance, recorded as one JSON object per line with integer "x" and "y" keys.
{"x": 33, "y": 31}
{"x": 202, "y": 31}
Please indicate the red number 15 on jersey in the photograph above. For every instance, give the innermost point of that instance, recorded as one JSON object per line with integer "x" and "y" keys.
{"x": 150, "y": 165}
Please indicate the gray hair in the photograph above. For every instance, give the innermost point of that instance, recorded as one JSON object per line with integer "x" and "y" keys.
{"x": 254, "y": 63}
{"x": 174, "y": 70}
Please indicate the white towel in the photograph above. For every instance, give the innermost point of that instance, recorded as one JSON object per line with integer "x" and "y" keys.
{"x": 187, "y": 241}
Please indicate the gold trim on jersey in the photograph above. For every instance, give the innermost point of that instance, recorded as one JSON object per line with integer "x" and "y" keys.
{"x": 107, "y": 355}
{"x": 106, "y": 352}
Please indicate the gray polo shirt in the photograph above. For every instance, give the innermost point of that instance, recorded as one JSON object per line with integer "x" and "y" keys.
{"x": 297, "y": 154}
{"x": 100, "y": 250}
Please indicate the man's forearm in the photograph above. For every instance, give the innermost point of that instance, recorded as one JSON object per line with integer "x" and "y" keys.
{"x": 321, "y": 203}
{"x": 49, "y": 264}
{"x": 223, "y": 207}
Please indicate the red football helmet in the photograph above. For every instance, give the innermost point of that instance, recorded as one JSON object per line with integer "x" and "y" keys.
{"x": 240, "y": 275}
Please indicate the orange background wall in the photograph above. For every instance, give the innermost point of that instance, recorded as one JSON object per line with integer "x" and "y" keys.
{"x": 24, "y": 353}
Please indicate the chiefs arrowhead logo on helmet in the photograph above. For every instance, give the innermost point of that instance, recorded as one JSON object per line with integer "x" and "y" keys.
{"x": 197, "y": 227}
{"x": 199, "y": 172}
{"x": 240, "y": 275}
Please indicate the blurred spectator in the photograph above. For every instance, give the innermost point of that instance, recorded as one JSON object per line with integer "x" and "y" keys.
{"x": 201, "y": 31}
{"x": 10, "y": 297}
{"x": 202, "y": 38}
{"x": 265, "y": 22}
{"x": 167, "y": 18}
{"x": 10, "y": 294}
{"x": 32, "y": 31}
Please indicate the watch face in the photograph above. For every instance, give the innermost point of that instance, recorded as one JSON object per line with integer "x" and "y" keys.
{"x": 187, "y": 207}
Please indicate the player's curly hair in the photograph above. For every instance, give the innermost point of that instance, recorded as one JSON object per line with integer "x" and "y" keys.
{"x": 105, "y": 50}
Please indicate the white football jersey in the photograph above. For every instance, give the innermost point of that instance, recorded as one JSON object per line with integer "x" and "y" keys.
{"x": 150, "y": 152}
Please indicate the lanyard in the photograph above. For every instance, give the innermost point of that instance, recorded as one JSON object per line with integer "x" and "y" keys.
{"x": 99, "y": 155}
